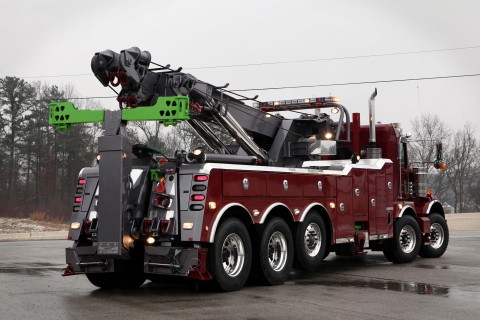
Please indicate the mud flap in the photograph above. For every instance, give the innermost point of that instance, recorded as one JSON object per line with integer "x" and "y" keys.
{"x": 424, "y": 223}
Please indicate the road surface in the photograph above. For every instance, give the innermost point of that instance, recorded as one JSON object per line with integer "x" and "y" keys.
{"x": 365, "y": 287}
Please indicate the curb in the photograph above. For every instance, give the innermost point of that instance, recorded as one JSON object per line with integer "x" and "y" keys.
{"x": 456, "y": 222}
{"x": 463, "y": 221}
{"x": 25, "y": 236}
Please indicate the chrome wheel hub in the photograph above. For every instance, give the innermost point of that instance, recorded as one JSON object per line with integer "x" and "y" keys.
{"x": 407, "y": 239}
{"x": 312, "y": 240}
{"x": 233, "y": 255}
{"x": 437, "y": 235}
{"x": 277, "y": 251}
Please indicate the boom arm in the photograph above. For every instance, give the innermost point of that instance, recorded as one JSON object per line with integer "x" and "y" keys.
{"x": 159, "y": 94}
{"x": 250, "y": 127}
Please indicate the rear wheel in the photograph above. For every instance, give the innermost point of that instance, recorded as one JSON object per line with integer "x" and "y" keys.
{"x": 439, "y": 236}
{"x": 405, "y": 245}
{"x": 276, "y": 252}
{"x": 310, "y": 242}
{"x": 117, "y": 280}
{"x": 232, "y": 255}
{"x": 102, "y": 280}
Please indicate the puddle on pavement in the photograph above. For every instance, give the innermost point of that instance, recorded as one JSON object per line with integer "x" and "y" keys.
{"x": 426, "y": 266}
{"x": 30, "y": 269}
{"x": 387, "y": 285}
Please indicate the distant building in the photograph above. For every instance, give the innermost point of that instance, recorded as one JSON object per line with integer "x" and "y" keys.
{"x": 447, "y": 208}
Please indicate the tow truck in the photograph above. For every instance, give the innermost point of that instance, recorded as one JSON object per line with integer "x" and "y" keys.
{"x": 282, "y": 193}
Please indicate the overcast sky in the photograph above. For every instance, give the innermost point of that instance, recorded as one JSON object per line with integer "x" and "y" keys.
{"x": 59, "y": 37}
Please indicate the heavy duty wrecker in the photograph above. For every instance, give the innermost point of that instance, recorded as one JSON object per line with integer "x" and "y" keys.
{"x": 286, "y": 193}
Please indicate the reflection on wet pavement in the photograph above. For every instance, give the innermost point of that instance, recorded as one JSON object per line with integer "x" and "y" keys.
{"x": 389, "y": 285}
{"x": 30, "y": 269}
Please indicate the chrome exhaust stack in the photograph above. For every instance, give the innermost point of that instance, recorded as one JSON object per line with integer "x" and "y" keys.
{"x": 372, "y": 151}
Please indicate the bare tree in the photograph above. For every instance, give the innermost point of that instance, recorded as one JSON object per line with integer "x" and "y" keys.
{"x": 462, "y": 162}
{"x": 428, "y": 130}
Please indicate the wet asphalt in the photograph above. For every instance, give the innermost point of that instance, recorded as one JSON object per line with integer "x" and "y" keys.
{"x": 366, "y": 287}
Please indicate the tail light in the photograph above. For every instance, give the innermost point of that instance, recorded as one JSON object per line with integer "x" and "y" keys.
{"x": 147, "y": 225}
{"x": 200, "y": 178}
{"x": 197, "y": 197}
{"x": 82, "y": 181}
{"x": 161, "y": 201}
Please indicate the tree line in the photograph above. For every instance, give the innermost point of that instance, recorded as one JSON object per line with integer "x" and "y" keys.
{"x": 39, "y": 164}
{"x": 458, "y": 185}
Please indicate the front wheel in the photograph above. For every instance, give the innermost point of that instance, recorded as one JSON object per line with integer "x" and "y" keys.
{"x": 232, "y": 255}
{"x": 439, "y": 236}
{"x": 405, "y": 245}
{"x": 276, "y": 252}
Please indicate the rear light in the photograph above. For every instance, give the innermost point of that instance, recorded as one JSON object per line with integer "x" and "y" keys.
{"x": 196, "y": 207}
{"x": 161, "y": 201}
{"x": 80, "y": 190}
{"x": 199, "y": 187}
{"x": 78, "y": 199}
{"x": 197, "y": 197}
{"x": 82, "y": 181}
{"x": 200, "y": 178}
{"x": 147, "y": 225}
{"x": 164, "y": 226}
{"x": 76, "y": 208}
{"x": 75, "y": 226}
{"x": 187, "y": 225}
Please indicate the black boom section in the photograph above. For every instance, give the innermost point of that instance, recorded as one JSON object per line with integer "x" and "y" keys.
{"x": 142, "y": 85}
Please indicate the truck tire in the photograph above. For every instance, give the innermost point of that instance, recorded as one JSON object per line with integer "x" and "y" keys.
{"x": 116, "y": 280}
{"x": 231, "y": 258}
{"x": 310, "y": 242}
{"x": 405, "y": 245}
{"x": 103, "y": 280}
{"x": 276, "y": 252}
{"x": 126, "y": 276}
{"x": 388, "y": 250}
{"x": 439, "y": 236}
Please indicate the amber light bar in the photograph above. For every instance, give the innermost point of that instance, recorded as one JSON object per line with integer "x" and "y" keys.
{"x": 281, "y": 105}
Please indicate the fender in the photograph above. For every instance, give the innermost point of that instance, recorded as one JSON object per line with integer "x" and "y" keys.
{"x": 219, "y": 216}
{"x": 310, "y": 206}
{"x": 429, "y": 208}
{"x": 405, "y": 208}
{"x": 270, "y": 207}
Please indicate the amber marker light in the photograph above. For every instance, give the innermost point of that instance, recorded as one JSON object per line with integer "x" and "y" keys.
{"x": 332, "y": 205}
